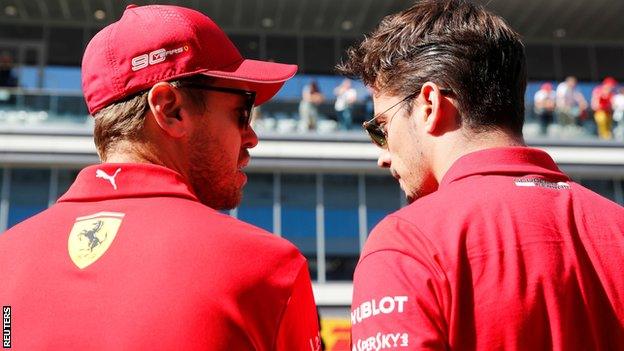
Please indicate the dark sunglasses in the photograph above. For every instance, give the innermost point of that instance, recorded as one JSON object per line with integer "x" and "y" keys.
{"x": 378, "y": 135}
{"x": 250, "y": 98}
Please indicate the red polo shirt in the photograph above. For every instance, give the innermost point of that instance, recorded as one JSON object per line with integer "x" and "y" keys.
{"x": 128, "y": 259}
{"x": 508, "y": 254}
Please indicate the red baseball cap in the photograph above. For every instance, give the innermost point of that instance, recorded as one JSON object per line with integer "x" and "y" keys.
{"x": 609, "y": 81}
{"x": 156, "y": 43}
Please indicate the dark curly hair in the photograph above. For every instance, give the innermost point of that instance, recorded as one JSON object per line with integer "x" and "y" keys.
{"x": 455, "y": 44}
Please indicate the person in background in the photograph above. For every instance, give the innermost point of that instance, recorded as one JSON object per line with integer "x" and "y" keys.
{"x": 498, "y": 248}
{"x": 570, "y": 104}
{"x": 601, "y": 103}
{"x": 618, "y": 115}
{"x": 311, "y": 98}
{"x": 136, "y": 255}
{"x": 7, "y": 75}
{"x": 544, "y": 106}
{"x": 346, "y": 96}
{"x": 8, "y": 80}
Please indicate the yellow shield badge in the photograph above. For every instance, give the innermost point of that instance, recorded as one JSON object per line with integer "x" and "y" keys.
{"x": 91, "y": 236}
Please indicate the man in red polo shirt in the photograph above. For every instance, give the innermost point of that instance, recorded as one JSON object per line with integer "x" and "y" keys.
{"x": 498, "y": 250}
{"x": 136, "y": 255}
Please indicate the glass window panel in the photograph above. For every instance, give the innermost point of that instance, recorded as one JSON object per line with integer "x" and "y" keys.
{"x": 342, "y": 245}
{"x": 609, "y": 60}
{"x": 604, "y": 187}
{"x": 383, "y": 196}
{"x": 540, "y": 61}
{"x": 318, "y": 55}
{"x": 248, "y": 45}
{"x": 575, "y": 62}
{"x": 257, "y": 205}
{"x": 65, "y": 46}
{"x": 32, "y": 57}
{"x": 298, "y": 199}
{"x": 65, "y": 179}
{"x": 11, "y": 31}
{"x": 281, "y": 49}
{"x": 29, "y": 193}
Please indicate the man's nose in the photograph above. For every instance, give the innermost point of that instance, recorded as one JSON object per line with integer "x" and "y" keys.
{"x": 250, "y": 138}
{"x": 384, "y": 160}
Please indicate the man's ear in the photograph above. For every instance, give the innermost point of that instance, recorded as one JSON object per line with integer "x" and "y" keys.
{"x": 165, "y": 103}
{"x": 440, "y": 114}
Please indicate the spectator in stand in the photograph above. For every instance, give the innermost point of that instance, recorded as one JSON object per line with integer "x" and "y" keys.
{"x": 570, "y": 104}
{"x": 311, "y": 98}
{"x": 7, "y": 79}
{"x": 544, "y": 106}
{"x": 7, "y": 76}
{"x": 345, "y": 99}
{"x": 618, "y": 115}
{"x": 602, "y": 99}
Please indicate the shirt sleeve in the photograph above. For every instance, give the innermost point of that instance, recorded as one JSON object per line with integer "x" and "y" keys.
{"x": 299, "y": 327}
{"x": 396, "y": 304}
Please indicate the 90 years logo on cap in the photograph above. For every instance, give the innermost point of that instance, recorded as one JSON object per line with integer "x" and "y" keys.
{"x": 91, "y": 236}
{"x": 154, "y": 57}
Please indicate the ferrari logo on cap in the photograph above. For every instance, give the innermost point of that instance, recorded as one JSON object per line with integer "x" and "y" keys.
{"x": 91, "y": 236}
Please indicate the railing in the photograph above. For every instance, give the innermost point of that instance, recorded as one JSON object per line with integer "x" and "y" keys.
{"x": 42, "y": 106}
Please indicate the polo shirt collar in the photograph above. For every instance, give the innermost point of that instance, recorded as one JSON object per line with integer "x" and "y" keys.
{"x": 518, "y": 161}
{"x": 123, "y": 180}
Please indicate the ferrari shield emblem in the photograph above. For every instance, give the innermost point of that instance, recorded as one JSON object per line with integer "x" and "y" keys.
{"x": 91, "y": 236}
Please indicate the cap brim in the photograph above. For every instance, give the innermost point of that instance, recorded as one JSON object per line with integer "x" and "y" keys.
{"x": 265, "y": 78}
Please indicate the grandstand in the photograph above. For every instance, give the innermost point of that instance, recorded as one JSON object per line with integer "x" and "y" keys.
{"x": 322, "y": 189}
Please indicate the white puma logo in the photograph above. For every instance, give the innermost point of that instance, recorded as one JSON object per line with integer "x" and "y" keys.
{"x": 101, "y": 174}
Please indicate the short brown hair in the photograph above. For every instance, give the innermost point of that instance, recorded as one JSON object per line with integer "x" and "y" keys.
{"x": 455, "y": 44}
{"x": 123, "y": 120}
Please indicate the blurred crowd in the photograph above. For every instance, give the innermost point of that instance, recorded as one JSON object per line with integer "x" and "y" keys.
{"x": 559, "y": 111}
{"x": 567, "y": 108}
{"x": 311, "y": 98}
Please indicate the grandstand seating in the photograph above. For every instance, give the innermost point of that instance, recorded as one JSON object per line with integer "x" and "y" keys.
{"x": 57, "y": 99}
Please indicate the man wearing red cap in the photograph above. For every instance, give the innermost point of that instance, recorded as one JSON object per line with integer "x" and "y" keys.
{"x": 499, "y": 249}
{"x": 602, "y": 98}
{"x": 136, "y": 255}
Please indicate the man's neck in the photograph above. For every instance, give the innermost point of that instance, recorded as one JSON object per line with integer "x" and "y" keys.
{"x": 471, "y": 143}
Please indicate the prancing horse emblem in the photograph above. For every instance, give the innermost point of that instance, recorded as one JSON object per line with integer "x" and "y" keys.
{"x": 111, "y": 178}
{"x": 91, "y": 236}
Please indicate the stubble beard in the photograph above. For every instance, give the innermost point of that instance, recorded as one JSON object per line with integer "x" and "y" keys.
{"x": 214, "y": 184}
